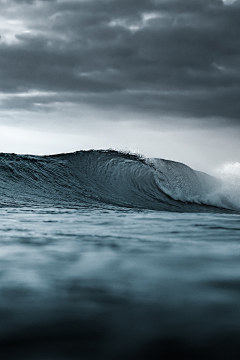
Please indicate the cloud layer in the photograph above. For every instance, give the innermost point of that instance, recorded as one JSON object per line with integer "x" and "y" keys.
{"x": 162, "y": 57}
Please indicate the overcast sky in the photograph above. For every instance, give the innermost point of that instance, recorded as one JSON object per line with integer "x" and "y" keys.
{"x": 161, "y": 77}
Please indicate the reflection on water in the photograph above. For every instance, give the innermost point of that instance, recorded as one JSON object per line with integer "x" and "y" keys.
{"x": 118, "y": 284}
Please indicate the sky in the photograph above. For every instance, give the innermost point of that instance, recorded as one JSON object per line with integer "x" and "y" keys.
{"x": 157, "y": 77}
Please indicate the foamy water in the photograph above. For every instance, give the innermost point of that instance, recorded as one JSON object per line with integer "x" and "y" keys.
{"x": 230, "y": 172}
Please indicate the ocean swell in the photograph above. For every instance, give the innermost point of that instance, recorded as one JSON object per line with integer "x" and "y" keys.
{"x": 108, "y": 178}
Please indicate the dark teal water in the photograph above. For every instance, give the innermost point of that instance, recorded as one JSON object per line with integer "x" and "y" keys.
{"x": 111, "y": 284}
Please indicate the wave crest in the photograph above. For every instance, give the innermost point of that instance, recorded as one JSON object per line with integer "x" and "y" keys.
{"x": 109, "y": 178}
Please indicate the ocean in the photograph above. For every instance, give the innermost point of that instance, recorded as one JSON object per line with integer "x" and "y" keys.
{"x": 109, "y": 255}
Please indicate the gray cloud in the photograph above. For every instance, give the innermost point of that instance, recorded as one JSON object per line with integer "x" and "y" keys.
{"x": 175, "y": 57}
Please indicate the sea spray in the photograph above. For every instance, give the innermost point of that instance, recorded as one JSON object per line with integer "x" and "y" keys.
{"x": 229, "y": 173}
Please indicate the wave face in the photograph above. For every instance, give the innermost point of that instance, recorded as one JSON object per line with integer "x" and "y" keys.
{"x": 108, "y": 178}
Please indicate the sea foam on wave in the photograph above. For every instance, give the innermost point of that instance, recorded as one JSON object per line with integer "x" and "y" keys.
{"x": 229, "y": 173}
{"x": 184, "y": 184}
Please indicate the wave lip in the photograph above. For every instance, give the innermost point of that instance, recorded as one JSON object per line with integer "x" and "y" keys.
{"x": 109, "y": 178}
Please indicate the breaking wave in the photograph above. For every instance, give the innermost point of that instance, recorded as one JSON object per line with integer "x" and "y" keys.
{"x": 108, "y": 178}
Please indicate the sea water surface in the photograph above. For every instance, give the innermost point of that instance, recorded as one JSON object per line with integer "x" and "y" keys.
{"x": 107, "y": 255}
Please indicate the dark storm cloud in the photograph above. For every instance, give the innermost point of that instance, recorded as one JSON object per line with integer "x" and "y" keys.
{"x": 178, "y": 57}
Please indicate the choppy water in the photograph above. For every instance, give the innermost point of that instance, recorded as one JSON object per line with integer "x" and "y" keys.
{"x": 106, "y": 255}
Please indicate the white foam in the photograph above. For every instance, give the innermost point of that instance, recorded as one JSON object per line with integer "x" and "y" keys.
{"x": 230, "y": 172}
{"x": 183, "y": 183}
